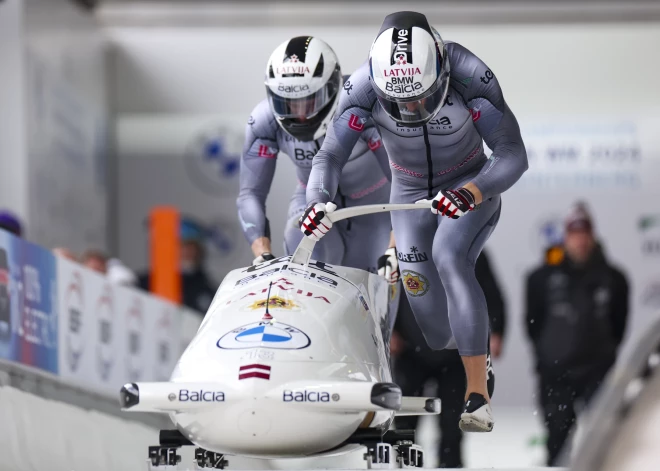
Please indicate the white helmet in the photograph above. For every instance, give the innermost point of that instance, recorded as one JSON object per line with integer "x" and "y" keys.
{"x": 303, "y": 79}
{"x": 409, "y": 68}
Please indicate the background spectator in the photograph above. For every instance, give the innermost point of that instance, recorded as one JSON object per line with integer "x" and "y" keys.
{"x": 95, "y": 260}
{"x": 576, "y": 311}
{"x": 197, "y": 287}
{"x": 415, "y": 364}
{"x": 10, "y": 222}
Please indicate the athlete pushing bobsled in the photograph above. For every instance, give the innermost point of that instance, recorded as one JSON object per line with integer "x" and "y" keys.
{"x": 434, "y": 103}
{"x": 303, "y": 81}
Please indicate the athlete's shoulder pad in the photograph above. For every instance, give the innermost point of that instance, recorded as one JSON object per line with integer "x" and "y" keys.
{"x": 262, "y": 122}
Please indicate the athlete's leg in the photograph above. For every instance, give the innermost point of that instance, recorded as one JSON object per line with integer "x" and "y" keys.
{"x": 329, "y": 249}
{"x": 366, "y": 239}
{"x": 368, "y": 236}
{"x": 456, "y": 246}
{"x": 414, "y": 231}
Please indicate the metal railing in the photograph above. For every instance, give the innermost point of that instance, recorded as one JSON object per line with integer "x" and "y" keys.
{"x": 614, "y": 403}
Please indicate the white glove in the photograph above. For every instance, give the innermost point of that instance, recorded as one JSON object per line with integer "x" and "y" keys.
{"x": 119, "y": 274}
{"x": 263, "y": 257}
{"x": 314, "y": 222}
{"x": 388, "y": 266}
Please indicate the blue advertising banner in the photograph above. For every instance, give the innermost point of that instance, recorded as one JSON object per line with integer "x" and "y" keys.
{"x": 28, "y": 304}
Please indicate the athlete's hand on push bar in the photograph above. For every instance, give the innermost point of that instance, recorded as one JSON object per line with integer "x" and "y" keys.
{"x": 314, "y": 222}
{"x": 452, "y": 203}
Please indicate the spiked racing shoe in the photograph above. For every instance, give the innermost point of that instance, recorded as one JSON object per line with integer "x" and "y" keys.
{"x": 477, "y": 415}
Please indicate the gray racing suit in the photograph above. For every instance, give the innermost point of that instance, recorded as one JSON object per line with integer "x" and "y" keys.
{"x": 358, "y": 242}
{"x": 436, "y": 254}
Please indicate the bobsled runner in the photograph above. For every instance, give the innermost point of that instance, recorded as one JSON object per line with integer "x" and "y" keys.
{"x": 291, "y": 360}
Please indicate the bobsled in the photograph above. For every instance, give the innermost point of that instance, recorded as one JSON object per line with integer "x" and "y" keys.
{"x": 290, "y": 360}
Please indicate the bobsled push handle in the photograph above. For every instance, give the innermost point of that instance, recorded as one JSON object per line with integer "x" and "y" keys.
{"x": 304, "y": 250}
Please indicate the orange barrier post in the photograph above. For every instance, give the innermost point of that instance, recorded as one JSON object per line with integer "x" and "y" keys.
{"x": 165, "y": 279}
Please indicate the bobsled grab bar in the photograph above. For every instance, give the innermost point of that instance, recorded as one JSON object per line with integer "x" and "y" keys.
{"x": 306, "y": 246}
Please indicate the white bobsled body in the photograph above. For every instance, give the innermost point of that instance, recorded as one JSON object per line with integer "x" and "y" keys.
{"x": 296, "y": 381}
{"x": 290, "y": 360}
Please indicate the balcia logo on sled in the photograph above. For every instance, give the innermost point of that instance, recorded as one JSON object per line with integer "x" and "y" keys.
{"x": 307, "y": 396}
{"x": 186, "y": 395}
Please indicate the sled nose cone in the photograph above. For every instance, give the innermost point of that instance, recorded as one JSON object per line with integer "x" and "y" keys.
{"x": 386, "y": 395}
{"x": 129, "y": 396}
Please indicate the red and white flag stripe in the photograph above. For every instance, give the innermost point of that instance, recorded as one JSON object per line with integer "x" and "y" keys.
{"x": 254, "y": 371}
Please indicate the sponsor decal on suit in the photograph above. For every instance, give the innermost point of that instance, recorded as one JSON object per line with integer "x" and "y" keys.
{"x": 415, "y": 283}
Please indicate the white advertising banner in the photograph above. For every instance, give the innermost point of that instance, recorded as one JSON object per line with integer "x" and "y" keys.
{"x": 111, "y": 335}
{"x": 189, "y": 325}
{"x": 582, "y": 154}
{"x": 161, "y": 339}
{"x": 133, "y": 309}
{"x": 90, "y": 329}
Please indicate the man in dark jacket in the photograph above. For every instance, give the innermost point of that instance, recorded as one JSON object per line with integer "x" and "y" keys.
{"x": 415, "y": 364}
{"x": 576, "y": 313}
{"x": 197, "y": 288}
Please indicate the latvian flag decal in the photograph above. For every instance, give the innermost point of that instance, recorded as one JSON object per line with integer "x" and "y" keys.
{"x": 254, "y": 371}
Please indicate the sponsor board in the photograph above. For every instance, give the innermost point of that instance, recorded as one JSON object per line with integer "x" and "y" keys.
{"x": 28, "y": 304}
{"x": 649, "y": 232}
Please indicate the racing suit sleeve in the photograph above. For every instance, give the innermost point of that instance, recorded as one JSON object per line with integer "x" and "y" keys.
{"x": 492, "y": 118}
{"x": 353, "y": 112}
{"x": 256, "y": 175}
{"x": 375, "y": 143}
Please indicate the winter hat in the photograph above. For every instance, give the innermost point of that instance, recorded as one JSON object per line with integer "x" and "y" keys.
{"x": 578, "y": 218}
{"x": 11, "y": 223}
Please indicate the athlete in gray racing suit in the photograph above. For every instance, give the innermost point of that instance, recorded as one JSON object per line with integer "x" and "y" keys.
{"x": 365, "y": 179}
{"x": 433, "y": 109}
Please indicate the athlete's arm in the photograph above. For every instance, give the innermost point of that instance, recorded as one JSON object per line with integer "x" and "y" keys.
{"x": 375, "y": 143}
{"x": 256, "y": 176}
{"x": 353, "y": 112}
{"x": 494, "y": 121}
